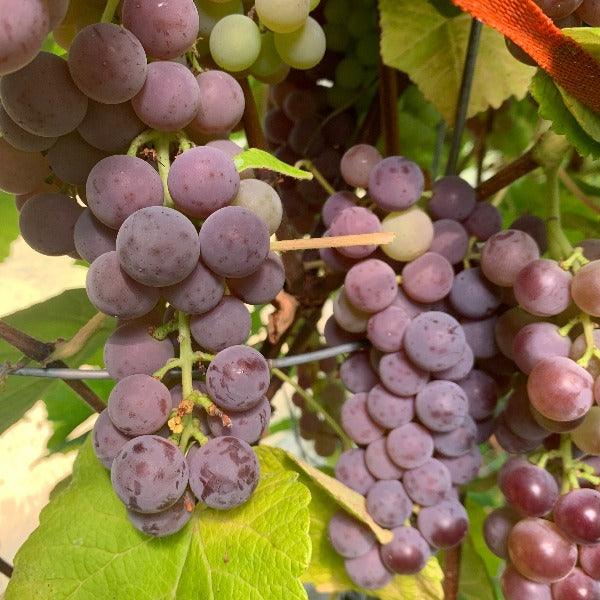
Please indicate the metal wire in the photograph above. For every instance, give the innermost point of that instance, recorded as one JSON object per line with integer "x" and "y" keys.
{"x": 286, "y": 361}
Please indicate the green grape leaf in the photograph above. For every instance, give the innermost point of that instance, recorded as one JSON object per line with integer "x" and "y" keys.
{"x": 259, "y": 159}
{"x": 58, "y": 317}
{"x": 9, "y": 217}
{"x": 430, "y": 47}
{"x": 85, "y": 548}
{"x": 587, "y": 37}
{"x": 326, "y": 571}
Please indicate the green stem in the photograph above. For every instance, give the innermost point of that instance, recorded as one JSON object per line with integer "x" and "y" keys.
{"x": 559, "y": 246}
{"x": 315, "y": 406}
{"x": 164, "y": 165}
{"x": 172, "y": 363}
{"x": 565, "y": 330}
{"x": 189, "y": 428}
{"x": 186, "y": 354}
{"x": 184, "y": 141}
{"x": 590, "y": 343}
{"x": 209, "y": 406}
{"x": 142, "y": 140}
{"x": 109, "y": 11}
{"x": 566, "y": 453}
{"x": 309, "y": 166}
{"x": 575, "y": 261}
{"x": 202, "y": 357}
{"x": 162, "y": 331}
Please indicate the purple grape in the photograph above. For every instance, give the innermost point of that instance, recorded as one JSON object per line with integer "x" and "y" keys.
{"x": 305, "y": 137}
{"x": 516, "y": 587}
{"x": 510, "y": 441}
{"x": 277, "y": 126}
{"x": 379, "y": 463}
{"x": 228, "y": 324}
{"x": 457, "y": 442}
{"x": 463, "y": 469}
{"x": 357, "y": 422}
{"x": 352, "y": 221}
{"x": 407, "y": 553}
{"x": 130, "y": 350}
{"x": 158, "y": 246}
{"x": 575, "y": 586}
{"x": 262, "y": 286}
{"x": 72, "y": 158}
{"x": 589, "y": 559}
{"x": 577, "y": 513}
{"x": 535, "y": 227}
{"x": 334, "y": 261}
{"x": 558, "y": 9}
{"x": 20, "y": 139}
{"x": 335, "y": 335}
{"x": 428, "y": 484}
{"x": 149, "y": 474}
{"x": 453, "y": 198}
{"x": 371, "y": 285}
{"x": 411, "y": 307}
{"x": 496, "y": 528}
{"x": 484, "y": 221}
{"x": 443, "y": 525}
{"x": 485, "y": 429}
{"x": 460, "y": 370}
{"x": 347, "y": 316}
{"x": 237, "y": 378}
{"x": 249, "y": 425}
{"x": 368, "y": 571}
{"x": 349, "y": 537}
{"x": 538, "y": 341}
{"x": 107, "y": 439}
{"x": 357, "y": 374}
{"x": 473, "y": 296}
{"x": 120, "y": 185}
{"x": 387, "y": 409}
{"x": 22, "y": 172}
{"x": 198, "y": 293}
{"x": 591, "y": 248}
{"x": 335, "y": 204}
{"x": 114, "y": 293}
{"x": 409, "y": 446}
{"x": 170, "y": 97}
{"x": 518, "y": 417}
{"x": 352, "y": 471}
{"x": 441, "y": 405}
{"x": 234, "y": 242}
{"x": 385, "y": 329}
{"x": 166, "y": 522}
{"x": 428, "y": 278}
{"x": 203, "y": 180}
{"x": 395, "y": 183}
{"x": 400, "y": 376}
{"x": 388, "y": 503}
{"x": 508, "y": 325}
{"x": 357, "y": 164}
{"x": 480, "y": 336}
{"x": 450, "y": 239}
{"x": 482, "y": 393}
{"x": 92, "y": 238}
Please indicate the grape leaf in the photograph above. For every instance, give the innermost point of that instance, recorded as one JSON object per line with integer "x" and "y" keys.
{"x": 430, "y": 47}
{"x": 85, "y": 548}
{"x": 9, "y": 217}
{"x": 326, "y": 571}
{"x": 259, "y": 159}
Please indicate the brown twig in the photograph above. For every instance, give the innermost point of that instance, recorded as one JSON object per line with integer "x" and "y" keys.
{"x": 40, "y": 351}
{"x": 370, "y": 128}
{"x": 451, "y": 573}
{"x": 388, "y": 99}
{"x": 6, "y": 568}
{"x": 572, "y": 186}
{"x": 254, "y": 132}
{"x": 509, "y": 174}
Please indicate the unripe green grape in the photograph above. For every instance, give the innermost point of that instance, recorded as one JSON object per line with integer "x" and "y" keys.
{"x": 336, "y": 11}
{"x": 361, "y": 21}
{"x": 587, "y": 436}
{"x": 314, "y": 4}
{"x": 349, "y": 73}
{"x": 414, "y": 234}
{"x": 367, "y": 50}
{"x": 282, "y": 16}
{"x": 337, "y": 36}
{"x": 268, "y": 67}
{"x": 211, "y": 13}
{"x": 235, "y": 42}
{"x": 304, "y": 48}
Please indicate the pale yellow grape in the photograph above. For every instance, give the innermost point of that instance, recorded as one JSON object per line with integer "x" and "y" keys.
{"x": 587, "y": 436}
{"x": 414, "y": 234}
{"x": 268, "y": 67}
{"x": 282, "y": 16}
{"x": 235, "y": 42}
{"x": 211, "y": 13}
{"x": 303, "y": 48}
{"x": 261, "y": 199}
{"x": 346, "y": 316}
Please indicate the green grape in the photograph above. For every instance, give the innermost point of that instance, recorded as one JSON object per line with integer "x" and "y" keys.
{"x": 211, "y": 13}
{"x": 282, "y": 17}
{"x": 367, "y": 50}
{"x": 414, "y": 234}
{"x": 337, "y": 36}
{"x": 336, "y": 11}
{"x": 349, "y": 73}
{"x": 268, "y": 67}
{"x": 361, "y": 22}
{"x": 314, "y": 4}
{"x": 587, "y": 435}
{"x": 235, "y": 42}
{"x": 338, "y": 96}
{"x": 304, "y": 48}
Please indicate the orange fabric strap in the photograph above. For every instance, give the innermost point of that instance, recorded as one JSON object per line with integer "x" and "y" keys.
{"x": 562, "y": 58}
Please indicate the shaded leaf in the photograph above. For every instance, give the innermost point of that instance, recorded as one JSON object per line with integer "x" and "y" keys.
{"x": 9, "y": 219}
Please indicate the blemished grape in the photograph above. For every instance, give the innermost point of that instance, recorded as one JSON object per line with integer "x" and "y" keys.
{"x": 47, "y": 221}
{"x": 371, "y": 285}
{"x": 457, "y": 442}
{"x": 409, "y": 446}
{"x": 414, "y": 234}
{"x": 560, "y": 389}
{"x": 114, "y": 293}
{"x": 450, "y": 239}
{"x": 518, "y": 416}
{"x": 147, "y": 250}
{"x": 460, "y": 370}
{"x": 169, "y": 98}
{"x": 482, "y": 393}
{"x": 576, "y": 585}
{"x": 400, "y": 376}
{"x": 496, "y": 528}
{"x": 268, "y": 67}
{"x": 130, "y": 349}
{"x": 443, "y": 525}
{"x": 453, "y": 198}
{"x": 349, "y": 537}
{"x": 355, "y": 220}
{"x": 577, "y": 513}
{"x": 203, "y": 180}
{"x": 165, "y": 29}
{"x": 223, "y": 473}
{"x": 107, "y": 63}
{"x": 237, "y": 378}
{"x": 228, "y": 324}
{"x": 198, "y": 293}
{"x": 149, "y": 474}
{"x": 21, "y": 172}
{"x": 25, "y": 25}
{"x": 538, "y": 341}
{"x": 347, "y": 316}
{"x": 166, "y": 522}
{"x": 42, "y": 98}
{"x": 407, "y": 553}
{"x": 120, "y": 185}
{"x": 335, "y": 204}
{"x": 357, "y": 422}
{"x": 368, "y": 571}
{"x": 388, "y": 503}
{"x": 303, "y": 48}
{"x": 110, "y": 127}
{"x": 473, "y": 296}
{"x": 357, "y": 164}
{"x": 234, "y": 242}
{"x": 484, "y": 221}
{"x": 385, "y": 329}
{"x": 72, "y": 158}
{"x": 516, "y": 587}
{"x": 351, "y": 470}
{"x": 441, "y": 405}
{"x": 249, "y": 425}
{"x": 262, "y": 286}
{"x": 107, "y": 439}
{"x": 535, "y": 227}
{"x": 480, "y": 336}
{"x": 465, "y": 468}
{"x": 540, "y": 551}
{"x": 505, "y": 254}
{"x": 559, "y": 9}
{"x": 428, "y": 278}
{"x": 428, "y": 484}
{"x": 395, "y": 183}
{"x": 283, "y": 18}
{"x": 589, "y": 559}
{"x": 434, "y": 341}
{"x": 261, "y": 199}
{"x": 585, "y": 288}
{"x": 357, "y": 373}
{"x": 20, "y": 139}
{"x": 387, "y": 409}
{"x": 235, "y": 42}
{"x": 379, "y": 463}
